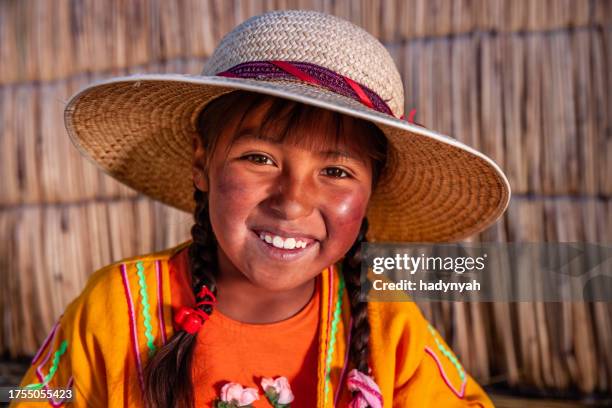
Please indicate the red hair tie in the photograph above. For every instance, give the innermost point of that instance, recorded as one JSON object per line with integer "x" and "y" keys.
{"x": 203, "y": 293}
{"x": 191, "y": 319}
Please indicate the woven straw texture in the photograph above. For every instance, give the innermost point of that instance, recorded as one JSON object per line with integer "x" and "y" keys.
{"x": 139, "y": 129}
{"x": 319, "y": 38}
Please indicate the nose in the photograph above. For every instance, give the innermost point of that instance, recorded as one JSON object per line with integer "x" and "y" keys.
{"x": 293, "y": 197}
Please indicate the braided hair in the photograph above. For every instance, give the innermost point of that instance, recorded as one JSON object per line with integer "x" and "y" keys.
{"x": 360, "y": 330}
{"x": 167, "y": 374}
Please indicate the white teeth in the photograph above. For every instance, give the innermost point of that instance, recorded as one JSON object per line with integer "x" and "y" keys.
{"x": 280, "y": 242}
{"x": 277, "y": 241}
{"x": 289, "y": 243}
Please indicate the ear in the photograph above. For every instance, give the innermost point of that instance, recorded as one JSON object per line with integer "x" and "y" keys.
{"x": 200, "y": 178}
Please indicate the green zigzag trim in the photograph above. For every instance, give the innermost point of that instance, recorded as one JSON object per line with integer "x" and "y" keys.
{"x": 56, "y": 357}
{"x": 145, "y": 308}
{"x": 334, "y": 330}
{"x": 447, "y": 353}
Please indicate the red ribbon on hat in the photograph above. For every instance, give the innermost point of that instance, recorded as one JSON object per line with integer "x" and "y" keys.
{"x": 315, "y": 75}
{"x": 410, "y": 119}
{"x": 191, "y": 319}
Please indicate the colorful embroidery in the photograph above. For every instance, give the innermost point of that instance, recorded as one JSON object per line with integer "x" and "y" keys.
{"x": 133, "y": 330}
{"x": 59, "y": 402}
{"x": 52, "y": 370}
{"x": 145, "y": 308}
{"x": 334, "y": 330}
{"x": 346, "y": 358}
{"x": 46, "y": 342}
{"x": 448, "y": 354}
{"x": 41, "y": 377}
{"x": 160, "y": 301}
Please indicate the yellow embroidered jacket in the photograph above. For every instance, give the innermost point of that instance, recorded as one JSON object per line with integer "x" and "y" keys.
{"x": 101, "y": 342}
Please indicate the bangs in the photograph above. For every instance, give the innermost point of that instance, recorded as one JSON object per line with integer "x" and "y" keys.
{"x": 297, "y": 124}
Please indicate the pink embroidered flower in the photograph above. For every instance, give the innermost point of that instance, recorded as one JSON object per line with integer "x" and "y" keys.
{"x": 235, "y": 395}
{"x": 278, "y": 391}
{"x": 368, "y": 392}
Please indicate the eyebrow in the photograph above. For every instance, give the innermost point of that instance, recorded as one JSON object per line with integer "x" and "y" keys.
{"x": 249, "y": 133}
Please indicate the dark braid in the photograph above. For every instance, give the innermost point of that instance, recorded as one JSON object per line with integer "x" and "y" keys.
{"x": 203, "y": 251}
{"x": 168, "y": 380}
{"x": 360, "y": 332}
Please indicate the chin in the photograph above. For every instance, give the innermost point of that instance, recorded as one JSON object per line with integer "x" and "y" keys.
{"x": 281, "y": 278}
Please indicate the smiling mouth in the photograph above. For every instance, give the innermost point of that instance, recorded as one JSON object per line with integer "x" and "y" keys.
{"x": 284, "y": 242}
{"x": 288, "y": 247}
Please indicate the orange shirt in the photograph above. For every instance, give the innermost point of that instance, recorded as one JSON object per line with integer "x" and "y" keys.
{"x": 231, "y": 351}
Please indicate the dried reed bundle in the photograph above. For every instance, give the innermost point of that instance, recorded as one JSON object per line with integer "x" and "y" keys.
{"x": 504, "y": 76}
{"x": 89, "y": 36}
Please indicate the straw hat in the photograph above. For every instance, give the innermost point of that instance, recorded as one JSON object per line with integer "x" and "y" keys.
{"x": 138, "y": 128}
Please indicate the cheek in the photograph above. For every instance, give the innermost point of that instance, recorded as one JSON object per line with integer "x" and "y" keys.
{"x": 231, "y": 200}
{"x": 344, "y": 215}
{"x": 229, "y": 190}
{"x": 347, "y": 208}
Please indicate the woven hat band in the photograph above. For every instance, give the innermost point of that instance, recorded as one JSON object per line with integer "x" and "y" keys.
{"x": 312, "y": 74}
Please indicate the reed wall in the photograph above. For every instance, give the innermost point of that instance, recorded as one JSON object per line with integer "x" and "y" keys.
{"x": 527, "y": 82}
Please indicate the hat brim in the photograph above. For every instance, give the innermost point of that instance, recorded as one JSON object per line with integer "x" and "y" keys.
{"x": 138, "y": 129}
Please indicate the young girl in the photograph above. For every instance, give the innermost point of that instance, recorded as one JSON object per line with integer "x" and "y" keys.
{"x": 289, "y": 151}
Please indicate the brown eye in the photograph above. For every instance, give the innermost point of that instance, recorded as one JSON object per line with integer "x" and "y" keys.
{"x": 257, "y": 159}
{"x": 336, "y": 172}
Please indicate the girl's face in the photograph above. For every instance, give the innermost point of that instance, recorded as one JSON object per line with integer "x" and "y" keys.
{"x": 282, "y": 211}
